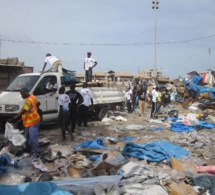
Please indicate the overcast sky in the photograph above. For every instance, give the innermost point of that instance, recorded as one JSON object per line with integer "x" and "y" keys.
{"x": 119, "y": 33}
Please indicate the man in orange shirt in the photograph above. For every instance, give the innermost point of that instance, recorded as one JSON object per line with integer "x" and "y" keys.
{"x": 31, "y": 120}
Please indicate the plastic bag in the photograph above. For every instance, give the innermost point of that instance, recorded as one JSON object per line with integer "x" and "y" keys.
{"x": 191, "y": 120}
{"x": 14, "y": 135}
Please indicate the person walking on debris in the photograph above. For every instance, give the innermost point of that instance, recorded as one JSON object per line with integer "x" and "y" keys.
{"x": 76, "y": 99}
{"x": 128, "y": 99}
{"x": 31, "y": 120}
{"x": 142, "y": 100}
{"x": 166, "y": 101}
{"x": 154, "y": 101}
{"x": 89, "y": 64}
{"x": 55, "y": 62}
{"x": 63, "y": 102}
{"x": 83, "y": 108}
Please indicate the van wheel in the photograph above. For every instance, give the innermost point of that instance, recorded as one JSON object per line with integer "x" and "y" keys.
{"x": 102, "y": 113}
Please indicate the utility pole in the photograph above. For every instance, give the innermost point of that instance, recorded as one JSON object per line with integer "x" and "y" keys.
{"x": 155, "y": 6}
{"x": 209, "y": 60}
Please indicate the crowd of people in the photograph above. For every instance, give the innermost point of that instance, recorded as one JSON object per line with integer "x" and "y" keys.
{"x": 140, "y": 97}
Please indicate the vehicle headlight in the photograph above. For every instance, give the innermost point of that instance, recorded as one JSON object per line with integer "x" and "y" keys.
{"x": 11, "y": 108}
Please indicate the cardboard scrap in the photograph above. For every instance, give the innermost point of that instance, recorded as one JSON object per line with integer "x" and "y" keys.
{"x": 72, "y": 172}
{"x": 181, "y": 189}
{"x": 183, "y": 166}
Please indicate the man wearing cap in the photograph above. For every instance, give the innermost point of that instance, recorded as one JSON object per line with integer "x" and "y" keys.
{"x": 89, "y": 64}
{"x": 55, "y": 62}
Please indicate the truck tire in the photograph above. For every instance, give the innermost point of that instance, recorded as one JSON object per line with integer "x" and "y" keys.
{"x": 102, "y": 113}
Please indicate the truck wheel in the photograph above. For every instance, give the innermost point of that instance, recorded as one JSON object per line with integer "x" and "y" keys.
{"x": 102, "y": 113}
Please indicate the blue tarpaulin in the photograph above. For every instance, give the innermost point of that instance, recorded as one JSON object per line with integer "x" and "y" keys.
{"x": 128, "y": 138}
{"x": 180, "y": 127}
{"x": 193, "y": 87}
{"x": 33, "y": 188}
{"x": 94, "y": 144}
{"x": 154, "y": 151}
{"x": 5, "y": 161}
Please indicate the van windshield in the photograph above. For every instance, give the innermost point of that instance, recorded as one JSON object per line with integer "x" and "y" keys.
{"x": 23, "y": 81}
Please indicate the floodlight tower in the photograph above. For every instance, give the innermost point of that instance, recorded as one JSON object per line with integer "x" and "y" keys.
{"x": 155, "y": 6}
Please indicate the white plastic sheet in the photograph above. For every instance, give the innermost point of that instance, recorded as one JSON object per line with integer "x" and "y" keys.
{"x": 14, "y": 135}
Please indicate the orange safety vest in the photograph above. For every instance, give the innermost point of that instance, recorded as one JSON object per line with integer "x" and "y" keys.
{"x": 31, "y": 117}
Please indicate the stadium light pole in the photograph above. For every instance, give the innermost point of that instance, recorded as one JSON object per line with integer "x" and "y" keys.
{"x": 155, "y": 6}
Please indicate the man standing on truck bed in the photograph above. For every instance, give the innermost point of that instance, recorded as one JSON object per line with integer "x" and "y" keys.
{"x": 30, "y": 119}
{"x": 83, "y": 108}
{"x": 76, "y": 99}
{"x": 55, "y": 62}
{"x": 89, "y": 64}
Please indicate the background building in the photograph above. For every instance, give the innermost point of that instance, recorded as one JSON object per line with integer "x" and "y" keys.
{"x": 151, "y": 73}
{"x": 10, "y": 68}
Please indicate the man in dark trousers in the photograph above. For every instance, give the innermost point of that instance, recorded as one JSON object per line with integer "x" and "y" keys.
{"x": 154, "y": 101}
{"x": 166, "y": 101}
{"x": 83, "y": 108}
{"x": 63, "y": 103}
{"x": 76, "y": 100}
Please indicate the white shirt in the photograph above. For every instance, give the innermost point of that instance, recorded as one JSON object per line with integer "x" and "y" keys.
{"x": 64, "y": 100}
{"x": 88, "y": 62}
{"x": 87, "y": 95}
{"x": 154, "y": 95}
{"x": 127, "y": 95}
{"x": 51, "y": 59}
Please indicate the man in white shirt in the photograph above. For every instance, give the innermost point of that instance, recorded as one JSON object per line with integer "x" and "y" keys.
{"x": 89, "y": 64}
{"x": 55, "y": 62}
{"x": 128, "y": 97}
{"x": 63, "y": 102}
{"x": 83, "y": 108}
{"x": 154, "y": 101}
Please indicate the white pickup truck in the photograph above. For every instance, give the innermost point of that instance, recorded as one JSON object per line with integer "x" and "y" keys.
{"x": 11, "y": 101}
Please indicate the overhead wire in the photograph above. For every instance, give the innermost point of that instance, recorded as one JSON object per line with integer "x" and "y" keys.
{"x": 103, "y": 44}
